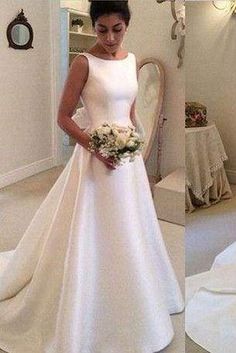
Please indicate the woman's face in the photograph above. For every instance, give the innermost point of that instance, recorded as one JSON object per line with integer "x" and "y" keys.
{"x": 110, "y": 30}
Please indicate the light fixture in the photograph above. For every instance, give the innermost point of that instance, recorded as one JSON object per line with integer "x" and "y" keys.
{"x": 220, "y": 4}
{"x": 228, "y": 5}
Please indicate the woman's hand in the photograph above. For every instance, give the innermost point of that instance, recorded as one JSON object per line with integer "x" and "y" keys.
{"x": 109, "y": 162}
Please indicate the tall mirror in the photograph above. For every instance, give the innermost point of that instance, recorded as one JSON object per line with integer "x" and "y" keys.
{"x": 149, "y": 103}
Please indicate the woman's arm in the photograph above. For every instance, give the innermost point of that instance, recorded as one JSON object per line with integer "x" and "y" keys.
{"x": 73, "y": 87}
{"x": 74, "y": 84}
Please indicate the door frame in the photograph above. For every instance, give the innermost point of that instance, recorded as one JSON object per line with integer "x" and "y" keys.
{"x": 55, "y": 59}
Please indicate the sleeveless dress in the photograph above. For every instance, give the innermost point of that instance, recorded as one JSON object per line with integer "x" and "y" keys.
{"x": 211, "y": 304}
{"x": 91, "y": 273}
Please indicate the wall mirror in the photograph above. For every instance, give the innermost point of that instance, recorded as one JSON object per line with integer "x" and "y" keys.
{"x": 20, "y": 33}
{"x": 149, "y": 103}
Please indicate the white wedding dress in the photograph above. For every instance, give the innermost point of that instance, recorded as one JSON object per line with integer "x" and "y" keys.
{"x": 211, "y": 305}
{"x": 91, "y": 273}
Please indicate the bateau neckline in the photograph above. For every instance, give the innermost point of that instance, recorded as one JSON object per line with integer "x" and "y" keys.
{"x": 107, "y": 59}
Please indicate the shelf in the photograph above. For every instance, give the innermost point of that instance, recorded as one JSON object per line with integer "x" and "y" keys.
{"x": 78, "y": 38}
{"x": 76, "y": 12}
{"x": 83, "y": 34}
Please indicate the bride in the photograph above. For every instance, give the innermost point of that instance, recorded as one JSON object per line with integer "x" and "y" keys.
{"x": 91, "y": 274}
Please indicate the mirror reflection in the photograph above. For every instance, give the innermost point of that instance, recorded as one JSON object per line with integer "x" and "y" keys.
{"x": 20, "y": 34}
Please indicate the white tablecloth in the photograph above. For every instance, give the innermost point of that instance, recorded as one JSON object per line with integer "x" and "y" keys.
{"x": 206, "y": 180}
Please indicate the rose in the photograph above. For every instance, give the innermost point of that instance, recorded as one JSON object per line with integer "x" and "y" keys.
{"x": 130, "y": 144}
{"x": 103, "y": 130}
{"x": 135, "y": 134}
{"x": 121, "y": 141}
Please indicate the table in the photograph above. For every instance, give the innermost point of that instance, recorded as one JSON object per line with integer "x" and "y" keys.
{"x": 206, "y": 180}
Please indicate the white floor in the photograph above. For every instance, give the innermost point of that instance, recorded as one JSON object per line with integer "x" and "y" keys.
{"x": 208, "y": 232}
{"x": 19, "y": 202}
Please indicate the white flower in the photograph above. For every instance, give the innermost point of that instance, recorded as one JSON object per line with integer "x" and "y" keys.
{"x": 115, "y": 132}
{"x": 130, "y": 143}
{"x": 135, "y": 134}
{"x": 111, "y": 139}
{"x": 105, "y": 130}
{"x": 126, "y": 154}
{"x": 121, "y": 141}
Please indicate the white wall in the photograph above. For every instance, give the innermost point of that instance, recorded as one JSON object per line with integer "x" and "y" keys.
{"x": 210, "y": 69}
{"x": 149, "y": 35}
{"x": 81, "y": 5}
{"x": 25, "y": 89}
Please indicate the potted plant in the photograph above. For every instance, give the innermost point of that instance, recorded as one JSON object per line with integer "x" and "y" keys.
{"x": 78, "y": 24}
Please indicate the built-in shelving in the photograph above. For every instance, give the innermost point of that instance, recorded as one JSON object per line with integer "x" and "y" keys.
{"x": 74, "y": 40}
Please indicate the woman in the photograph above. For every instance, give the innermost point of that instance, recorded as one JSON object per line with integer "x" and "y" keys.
{"x": 91, "y": 273}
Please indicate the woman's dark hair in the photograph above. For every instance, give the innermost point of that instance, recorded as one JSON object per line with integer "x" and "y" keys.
{"x": 99, "y": 8}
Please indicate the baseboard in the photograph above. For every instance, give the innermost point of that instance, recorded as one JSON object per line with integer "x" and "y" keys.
{"x": 26, "y": 171}
{"x": 231, "y": 174}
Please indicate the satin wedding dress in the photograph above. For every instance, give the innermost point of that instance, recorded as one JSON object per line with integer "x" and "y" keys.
{"x": 91, "y": 273}
{"x": 211, "y": 305}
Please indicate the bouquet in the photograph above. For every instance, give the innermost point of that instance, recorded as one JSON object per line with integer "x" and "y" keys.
{"x": 120, "y": 143}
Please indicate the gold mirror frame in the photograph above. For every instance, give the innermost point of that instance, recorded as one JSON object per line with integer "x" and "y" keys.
{"x": 159, "y": 121}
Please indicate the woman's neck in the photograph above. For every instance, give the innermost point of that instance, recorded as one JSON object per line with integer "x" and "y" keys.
{"x": 100, "y": 51}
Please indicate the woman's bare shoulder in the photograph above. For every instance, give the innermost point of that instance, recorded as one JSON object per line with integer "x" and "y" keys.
{"x": 80, "y": 61}
{"x": 79, "y": 67}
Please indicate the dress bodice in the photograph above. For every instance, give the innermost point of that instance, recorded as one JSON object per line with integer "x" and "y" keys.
{"x": 110, "y": 89}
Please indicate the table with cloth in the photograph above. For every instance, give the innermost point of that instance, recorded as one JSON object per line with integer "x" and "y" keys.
{"x": 206, "y": 180}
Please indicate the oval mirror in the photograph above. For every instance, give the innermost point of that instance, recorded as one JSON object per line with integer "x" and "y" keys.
{"x": 20, "y": 33}
{"x": 149, "y": 104}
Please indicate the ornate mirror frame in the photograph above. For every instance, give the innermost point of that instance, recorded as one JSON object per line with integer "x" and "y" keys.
{"x": 159, "y": 121}
{"x": 20, "y": 19}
